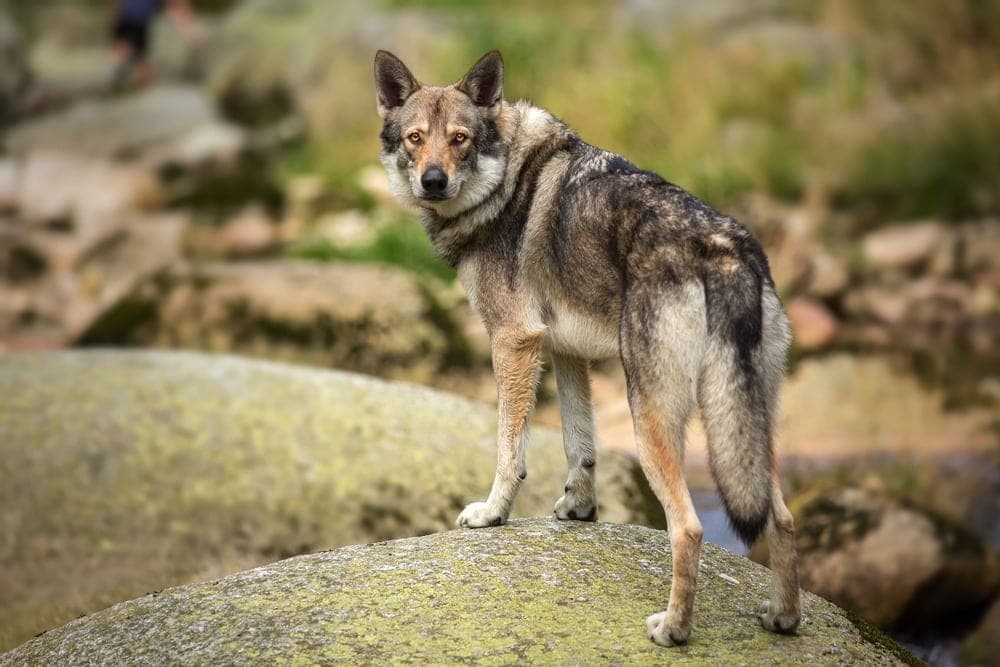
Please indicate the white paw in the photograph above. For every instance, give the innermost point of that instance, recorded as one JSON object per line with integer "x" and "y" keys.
{"x": 661, "y": 633}
{"x": 480, "y": 515}
{"x": 569, "y": 507}
{"x": 782, "y": 623}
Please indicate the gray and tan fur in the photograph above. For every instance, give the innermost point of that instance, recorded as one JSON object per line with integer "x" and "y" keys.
{"x": 564, "y": 245}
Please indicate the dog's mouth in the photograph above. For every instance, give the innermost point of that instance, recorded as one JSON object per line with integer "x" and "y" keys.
{"x": 447, "y": 194}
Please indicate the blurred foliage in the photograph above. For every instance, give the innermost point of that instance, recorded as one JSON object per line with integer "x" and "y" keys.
{"x": 887, "y": 110}
{"x": 400, "y": 242}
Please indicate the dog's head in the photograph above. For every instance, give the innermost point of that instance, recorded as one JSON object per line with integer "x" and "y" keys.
{"x": 440, "y": 144}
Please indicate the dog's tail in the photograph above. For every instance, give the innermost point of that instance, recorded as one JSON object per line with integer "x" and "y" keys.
{"x": 737, "y": 394}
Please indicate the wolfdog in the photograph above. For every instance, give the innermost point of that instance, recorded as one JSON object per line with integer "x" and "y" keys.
{"x": 561, "y": 243}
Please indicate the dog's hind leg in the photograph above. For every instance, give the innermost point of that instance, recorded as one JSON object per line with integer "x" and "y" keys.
{"x": 573, "y": 383}
{"x": 516, "y": 363}
{"x": 661, "y": 334}
{"x": 781, "y": 613}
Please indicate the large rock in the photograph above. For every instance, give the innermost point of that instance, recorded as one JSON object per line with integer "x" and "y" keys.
{"x": 534, "y": 592}
{"x": 904, "y": 245}
{"x": 56, "y": 283}
{"x": 372, "y": 319}
{"x": 125, "y": 472}
{"x": 124, "y": 126}
{"x": 813, "y": 325}
{"x": 69, "y": 190}
{"x": 844, "y": 405}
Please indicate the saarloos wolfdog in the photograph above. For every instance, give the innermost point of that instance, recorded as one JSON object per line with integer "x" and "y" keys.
{"x": 561, "y": 243}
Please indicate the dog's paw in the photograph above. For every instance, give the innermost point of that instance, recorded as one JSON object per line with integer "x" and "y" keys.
{"x": 480, "y": 515}
{"x": 781, "y": 623}
{"x": 660, "y": 631}
{"x": 570, "y": 508}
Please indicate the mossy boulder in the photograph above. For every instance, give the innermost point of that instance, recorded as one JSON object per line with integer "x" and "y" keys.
{"x": 536, "y": 591}
{"x": 124, "y": 472}
{"x": 367, "y": 318}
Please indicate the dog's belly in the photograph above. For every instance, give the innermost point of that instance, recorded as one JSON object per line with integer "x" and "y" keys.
{"x": 582, "y": 335}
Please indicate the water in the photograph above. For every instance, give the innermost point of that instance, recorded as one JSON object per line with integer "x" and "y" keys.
{"x": 714, "y": 522}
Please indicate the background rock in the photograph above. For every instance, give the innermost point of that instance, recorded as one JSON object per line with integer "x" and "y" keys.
{"x": 115, "y": 127}
{"x": 841, "y": 405}
{"x": 10, "y": 185}
{"x": 982, "y": 647}
{"x": 251, "y": 233}
{"x": 125, "y": 472}
{"x": 536, "y": 591}
{"x": 893, "y": 563}
{"x": 360, "y": 317}
{"x": 15, "y": 75}
{"x": 813, "y": 326}
{"x": 69, "y": 278}
{"x": 902, "y": 246}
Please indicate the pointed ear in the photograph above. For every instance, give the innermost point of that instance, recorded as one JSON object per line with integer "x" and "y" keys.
{"x": 393, "y": 82}
{"x": 484, "y": 81}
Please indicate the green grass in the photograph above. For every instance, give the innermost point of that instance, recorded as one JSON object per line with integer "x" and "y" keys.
{"x": 401, "y": 242}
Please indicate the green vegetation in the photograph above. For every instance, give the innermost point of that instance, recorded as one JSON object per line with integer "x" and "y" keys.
{"x": 886, "y": 110}
{"x": 401, "y": 242}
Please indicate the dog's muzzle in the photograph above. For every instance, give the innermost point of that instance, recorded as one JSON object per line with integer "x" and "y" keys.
{"x": 435, "y": 183}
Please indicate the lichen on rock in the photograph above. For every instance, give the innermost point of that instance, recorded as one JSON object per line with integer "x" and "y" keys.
{"x": 536, "y": 591}
{"x": 124, "y": 472}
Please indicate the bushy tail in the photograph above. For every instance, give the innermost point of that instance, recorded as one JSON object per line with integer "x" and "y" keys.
{"x": 736, "y": 408}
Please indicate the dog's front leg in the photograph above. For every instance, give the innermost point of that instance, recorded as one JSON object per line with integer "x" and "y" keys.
{"x": 516, "y": 362}
{"x": 579, "y": 501}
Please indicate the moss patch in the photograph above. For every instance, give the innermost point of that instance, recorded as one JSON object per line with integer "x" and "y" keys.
{"x": 537, "y": 591}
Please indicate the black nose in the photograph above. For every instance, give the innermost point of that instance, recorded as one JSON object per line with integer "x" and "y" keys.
{"x": 434, "y": 181}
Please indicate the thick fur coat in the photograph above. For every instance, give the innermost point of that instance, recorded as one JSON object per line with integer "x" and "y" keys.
{"x": 563, "y": 245}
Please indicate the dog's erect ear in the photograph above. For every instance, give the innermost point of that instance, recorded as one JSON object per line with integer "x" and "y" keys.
{"x": 484, "y": 81}
{"x": 393, "y": 82}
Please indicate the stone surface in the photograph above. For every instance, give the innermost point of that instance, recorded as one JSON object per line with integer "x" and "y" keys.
{"x": 881, "y": 304}
{"x": 828, "y": 277}
{"x": 10, "y": 185}
{"x": 88, "y": 195}
{"x": 70, "y": 278}
{"x": 893, "y": 563}
{"x": 827, "y": 412}
{"x": 983, "y": 646}
{"x": 535, "y": 592}
{"x": 813, "y": 325}
{"x": 362, "y": 317}
{"x": 125, "y": 472}
{"x": 15, "y": 74}
{"x": 980, "y": 246}
{"x": 251, "y": 233}
{"x": 902, "y": 246}
{"x": 122, "y": 127}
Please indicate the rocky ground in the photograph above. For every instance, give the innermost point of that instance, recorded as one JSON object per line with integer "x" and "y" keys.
{"x": 210, "y": 464}
{"x": 161, "y": 218}
{"x": 535, "y": 591}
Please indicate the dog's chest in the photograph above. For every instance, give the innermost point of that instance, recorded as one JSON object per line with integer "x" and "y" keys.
{"x": 581, "y": 334}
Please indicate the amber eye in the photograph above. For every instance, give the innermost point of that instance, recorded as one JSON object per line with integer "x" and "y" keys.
{"x": 414, "y": 137}
{"x": 459, "y": 138}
